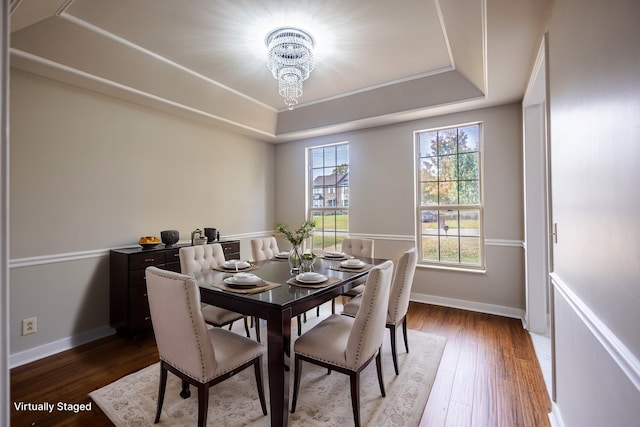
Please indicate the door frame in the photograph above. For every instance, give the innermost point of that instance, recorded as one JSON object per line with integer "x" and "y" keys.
{"x": 537, "y": 206}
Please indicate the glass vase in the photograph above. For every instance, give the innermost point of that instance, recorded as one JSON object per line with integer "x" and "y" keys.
{"x": 295, "y": 258}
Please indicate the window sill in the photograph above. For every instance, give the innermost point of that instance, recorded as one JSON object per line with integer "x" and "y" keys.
{"x": 478, "y": 270}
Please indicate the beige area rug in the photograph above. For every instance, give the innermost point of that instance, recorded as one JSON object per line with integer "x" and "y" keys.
{"x": 324, "y": 400}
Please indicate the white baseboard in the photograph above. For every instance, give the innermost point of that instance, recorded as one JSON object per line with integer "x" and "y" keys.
{"x": 499, "y": 310}
{"x": 555, "y": 418}
{"x": 51, "y": 348}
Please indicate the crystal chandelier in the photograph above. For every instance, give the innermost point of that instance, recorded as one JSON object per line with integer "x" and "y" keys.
{"x": 290, "y": 59}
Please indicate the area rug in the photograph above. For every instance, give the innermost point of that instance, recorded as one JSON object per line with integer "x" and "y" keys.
{"x": 324, "y": 400}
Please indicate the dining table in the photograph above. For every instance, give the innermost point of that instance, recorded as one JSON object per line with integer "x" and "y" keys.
{"x": 279, "y": 300}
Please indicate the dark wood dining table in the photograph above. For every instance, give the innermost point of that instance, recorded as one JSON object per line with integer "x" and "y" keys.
{"x": 277, "y": 306}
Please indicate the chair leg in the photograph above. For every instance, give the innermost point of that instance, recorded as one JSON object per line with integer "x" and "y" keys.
{"x": 296, "y": 383}
{"x": 333, "y": 306}
{"x": 203, "y": 404}
{"x": 256, "y": 323}
{"x": 404, "y": 333}
{"x": 379, "y": 369}
{"x": 185, "y": 393}
{"x": 258, "y": 369}
{"x": 299, "y": 325}
{"x": 394, "y": 350}
{"x": 246, "y": 326}
{"x": 355, "y": 397}
{"x": 318, "y": 311}
{"x": 161, "y": 388}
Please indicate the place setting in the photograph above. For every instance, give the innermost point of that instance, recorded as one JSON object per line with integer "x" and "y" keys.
{"x": 281, "y": 256}
{"x": 311, "y": 279}
{"x": 245, "y": 283}
{"x": 236, "y": 265}
{"x": 334, "y": 255}
{"x": 351, "y": 264}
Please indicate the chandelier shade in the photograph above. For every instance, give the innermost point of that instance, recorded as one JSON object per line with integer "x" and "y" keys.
{"x": 290, "y": 59}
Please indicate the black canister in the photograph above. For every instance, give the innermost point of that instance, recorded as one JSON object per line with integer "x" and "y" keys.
{"x": 212, "y": 234}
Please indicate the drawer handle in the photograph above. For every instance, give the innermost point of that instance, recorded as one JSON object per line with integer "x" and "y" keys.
{"x": 147, "y": 318}
{"x": 149, "y": 260}
{"x": 144, "y": 295}
{"x": 176, "y": 255}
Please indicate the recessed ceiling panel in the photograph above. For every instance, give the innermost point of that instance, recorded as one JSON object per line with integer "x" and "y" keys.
{"x": 360, "y": 43}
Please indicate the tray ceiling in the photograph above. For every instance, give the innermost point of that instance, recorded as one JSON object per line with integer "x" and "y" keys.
{"x": 377, "y": 61}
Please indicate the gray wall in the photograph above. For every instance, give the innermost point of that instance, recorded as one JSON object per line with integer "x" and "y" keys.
{"x": 594, "y": 78}
{"x": 89, "y": 173}
{"x": 382, "y": 203}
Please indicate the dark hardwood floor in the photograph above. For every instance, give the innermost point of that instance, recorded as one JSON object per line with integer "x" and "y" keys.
{"x": 488, "y": 376}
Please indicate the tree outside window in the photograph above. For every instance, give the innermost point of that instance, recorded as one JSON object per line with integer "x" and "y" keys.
{"x": 449, "y": 199}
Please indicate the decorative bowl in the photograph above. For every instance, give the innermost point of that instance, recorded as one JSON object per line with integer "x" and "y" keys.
{"x": 148, "y": 242}
{"x": 170, "y": 237}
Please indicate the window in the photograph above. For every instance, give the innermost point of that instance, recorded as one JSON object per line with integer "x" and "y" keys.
{"x": 449, "y": 202}
{"x": 328, "y": 167}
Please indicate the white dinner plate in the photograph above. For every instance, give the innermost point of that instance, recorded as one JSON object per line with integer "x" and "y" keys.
{"x": 332, "y": 254}
{"x": 233, "y": 282}
{"x": 347, "y": 264}
{"x": 311, "y": 278}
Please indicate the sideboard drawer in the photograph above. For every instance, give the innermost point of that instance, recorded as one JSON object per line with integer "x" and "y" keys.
{"x": 144, "y": 260}
{"x": 140, "y": 321}
{"x": 139, "y": 299}
{"x": 137, "y": 278}
{"x": 231, "y": 249}
{"x": 172, "y": 255}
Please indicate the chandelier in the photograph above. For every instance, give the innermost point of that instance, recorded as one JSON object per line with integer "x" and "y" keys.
{"x": 290, "y": 59}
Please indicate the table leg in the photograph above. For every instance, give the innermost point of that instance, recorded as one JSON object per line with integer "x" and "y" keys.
{"x": 278, "y": 341}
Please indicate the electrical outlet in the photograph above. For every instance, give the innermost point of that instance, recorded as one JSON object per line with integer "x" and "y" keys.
{"x": 29, "y": 326}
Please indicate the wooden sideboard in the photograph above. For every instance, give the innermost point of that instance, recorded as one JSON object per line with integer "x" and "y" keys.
{"x": 129, "y": 307}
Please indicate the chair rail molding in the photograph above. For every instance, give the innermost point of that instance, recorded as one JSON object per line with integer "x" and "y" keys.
{"x": 96, "y": 253}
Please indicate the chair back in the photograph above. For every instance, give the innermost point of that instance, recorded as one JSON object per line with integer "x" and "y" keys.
{"x": 368, "y": 328}
{"x": 358, "y": 247}
{"x": 194, "y": 259}
{"x": 178, "y": 325}
{"x": 264, "y": 248}
{"x": 401, "y": 286}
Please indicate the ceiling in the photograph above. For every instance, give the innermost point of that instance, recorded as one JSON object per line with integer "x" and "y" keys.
{"x": 376, "y": 62}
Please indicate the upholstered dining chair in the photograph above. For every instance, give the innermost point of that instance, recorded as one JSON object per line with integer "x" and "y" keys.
{"x": 347, "y": 344}
{"x": 197, "y": 355}
{"x": 194, "y": 259}
{"x": 264, "y": 248}
{"x": 351, "y": 246}
{"x": 398, "y": 301}
{"x": 358, "y": 247}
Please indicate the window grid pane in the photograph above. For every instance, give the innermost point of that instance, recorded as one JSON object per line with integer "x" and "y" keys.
{"x": 329, "y": 193}
{"x": 450, "y": 209}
